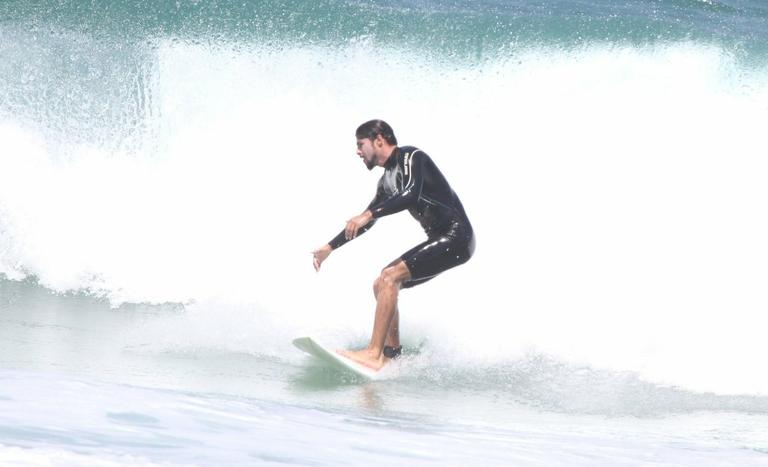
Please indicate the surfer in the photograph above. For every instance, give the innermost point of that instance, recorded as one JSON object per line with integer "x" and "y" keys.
{"x": 411, "y": 181}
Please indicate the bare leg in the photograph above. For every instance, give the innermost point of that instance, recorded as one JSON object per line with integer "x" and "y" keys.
{"x": 393, "y": 335}
{"x": 387, "y": 288}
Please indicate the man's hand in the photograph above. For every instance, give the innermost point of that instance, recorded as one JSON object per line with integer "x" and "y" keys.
{"x": 356, "y": 223}
{"x": 319, "y": 255}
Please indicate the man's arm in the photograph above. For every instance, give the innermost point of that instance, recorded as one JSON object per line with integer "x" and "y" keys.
{"x": 355, "y": 226}
{"x": 361, "y": 223}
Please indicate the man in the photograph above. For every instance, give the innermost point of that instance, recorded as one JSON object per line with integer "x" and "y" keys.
{"x": 410, "y": 181}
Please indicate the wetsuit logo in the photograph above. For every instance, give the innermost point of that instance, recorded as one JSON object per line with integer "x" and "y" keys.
{"x": 406, "y": 161}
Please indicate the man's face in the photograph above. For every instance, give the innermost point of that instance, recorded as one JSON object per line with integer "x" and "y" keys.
{"x": 366, "y": 150}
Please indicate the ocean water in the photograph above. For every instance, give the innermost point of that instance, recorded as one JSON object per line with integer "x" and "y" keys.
{"x": 166, "y": 168}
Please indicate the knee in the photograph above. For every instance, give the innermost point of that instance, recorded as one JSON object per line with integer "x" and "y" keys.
{"x": 379, "y": 284}
{"x": 387, "y": 279}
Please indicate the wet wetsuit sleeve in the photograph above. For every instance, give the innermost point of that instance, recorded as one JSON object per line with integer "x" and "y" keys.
{"x": 413, "y": 181}
{"x": 341, "y": 238}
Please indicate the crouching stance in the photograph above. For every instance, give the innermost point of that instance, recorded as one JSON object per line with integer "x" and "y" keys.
{"x": 411, "y": 181}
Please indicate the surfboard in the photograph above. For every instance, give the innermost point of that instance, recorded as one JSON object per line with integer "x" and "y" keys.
{"x": 333, "y": 359}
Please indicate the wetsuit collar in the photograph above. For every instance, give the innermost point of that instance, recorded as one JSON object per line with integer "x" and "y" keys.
{"x": 392, "y": 161}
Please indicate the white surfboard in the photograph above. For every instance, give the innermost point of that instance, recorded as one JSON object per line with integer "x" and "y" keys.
{"x": 332, "y": 358}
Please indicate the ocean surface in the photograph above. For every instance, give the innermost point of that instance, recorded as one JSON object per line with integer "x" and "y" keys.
{"x": 166, "y": 168}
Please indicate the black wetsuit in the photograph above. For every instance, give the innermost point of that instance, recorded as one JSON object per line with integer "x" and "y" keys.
{"x": 412, "y": 181}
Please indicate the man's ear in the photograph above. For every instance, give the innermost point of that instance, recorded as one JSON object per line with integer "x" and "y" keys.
{"x": 379, "y": 141}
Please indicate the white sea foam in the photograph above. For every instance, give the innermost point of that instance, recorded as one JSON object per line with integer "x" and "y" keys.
{"x": 617, "y": 193}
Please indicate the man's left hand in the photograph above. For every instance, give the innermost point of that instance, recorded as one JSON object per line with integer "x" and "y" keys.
{"x": 356, "y": 223}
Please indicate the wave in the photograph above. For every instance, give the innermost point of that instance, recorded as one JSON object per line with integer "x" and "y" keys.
{"x": 246, "y": 348}
{"x": 613, "y": 189}
{"x": 441, "y": 24}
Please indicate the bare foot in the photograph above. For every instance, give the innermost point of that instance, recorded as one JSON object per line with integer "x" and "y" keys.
{"x": 365, "y": 357}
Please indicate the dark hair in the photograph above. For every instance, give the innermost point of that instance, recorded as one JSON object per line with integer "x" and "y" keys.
{"x": 373, "y": 128}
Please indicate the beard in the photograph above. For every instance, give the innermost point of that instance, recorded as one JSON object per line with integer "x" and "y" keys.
{"x": 370, "y": 163}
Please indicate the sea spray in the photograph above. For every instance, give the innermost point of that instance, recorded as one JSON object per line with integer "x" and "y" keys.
{"x": 613, "y": 189}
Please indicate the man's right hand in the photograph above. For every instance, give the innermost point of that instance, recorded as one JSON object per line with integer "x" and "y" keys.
{"x": 319, "y": 255}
